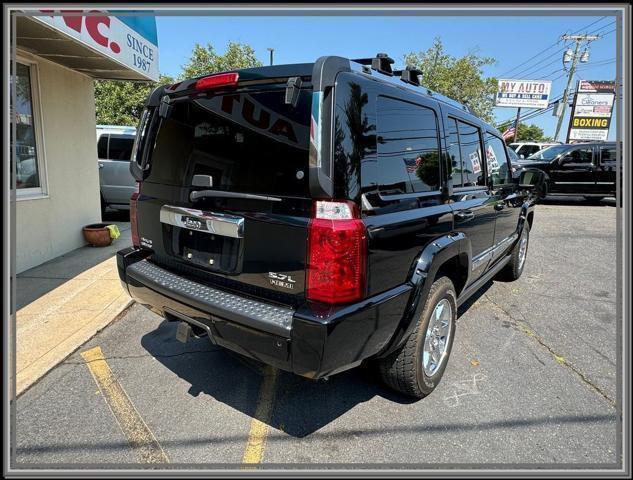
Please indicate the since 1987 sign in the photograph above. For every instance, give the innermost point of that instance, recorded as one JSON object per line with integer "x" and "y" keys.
{"x": 523, "y": 93}
{"x": 129, "y": 40}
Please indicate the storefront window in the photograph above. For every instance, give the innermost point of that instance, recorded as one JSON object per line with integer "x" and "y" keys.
{"x": 27, "y": 168}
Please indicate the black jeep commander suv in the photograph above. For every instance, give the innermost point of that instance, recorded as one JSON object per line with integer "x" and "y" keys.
{"x": 315, "y": 216}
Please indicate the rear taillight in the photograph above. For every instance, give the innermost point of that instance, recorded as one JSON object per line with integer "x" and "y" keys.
{"x": 217, "y": 81}
{"x": 133, "y": 215}
{"x": 336, "y": 253}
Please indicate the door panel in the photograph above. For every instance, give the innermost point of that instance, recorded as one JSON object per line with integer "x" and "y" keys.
{"x": 120, "y": 182}
{"x": 574, "y": 172}
{"x": 508, "y": 201}
{"x": 474, "y": 215}
{"x": 606, "y": 170}
{"x": 470, "y": 199}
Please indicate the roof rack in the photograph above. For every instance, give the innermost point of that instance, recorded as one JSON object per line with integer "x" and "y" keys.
{"x": 410, "y": 75}
{"x": 381, "y": 63}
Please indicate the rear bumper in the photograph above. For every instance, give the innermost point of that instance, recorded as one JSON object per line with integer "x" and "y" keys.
{"x": 311, "y": 340}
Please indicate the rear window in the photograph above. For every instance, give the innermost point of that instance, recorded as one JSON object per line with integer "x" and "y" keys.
{"x": 248, "y": 142}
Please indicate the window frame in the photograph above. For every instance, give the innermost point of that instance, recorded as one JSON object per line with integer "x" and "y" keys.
{"x": 438, "y": 116}
{"x": 484, "y": 166}
{"x": 602, "y": 148}
{"x": 40, "y": 148}
{"x": 132, "y": 137}
{"x": 508, "y": 162}
{"x": 107, "y": 146}
{"x": 593, "y": 162}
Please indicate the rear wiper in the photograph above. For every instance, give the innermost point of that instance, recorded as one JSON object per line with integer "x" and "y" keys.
{"x": 195, "y": 195}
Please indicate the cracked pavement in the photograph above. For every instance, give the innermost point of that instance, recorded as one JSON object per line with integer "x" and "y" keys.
{"x": 531, "y": 381}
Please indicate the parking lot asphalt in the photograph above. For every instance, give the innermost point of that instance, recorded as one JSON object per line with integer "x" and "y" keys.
{"x": 531, "y": 380}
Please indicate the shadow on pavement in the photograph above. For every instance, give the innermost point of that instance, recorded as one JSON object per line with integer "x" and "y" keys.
{"x": 428, "y": 429}
{"x": 302, "y": 406}
{"x": 42, "y": 279}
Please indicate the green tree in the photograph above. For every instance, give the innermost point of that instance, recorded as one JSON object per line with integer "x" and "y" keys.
{"x": 121, "y": 102}
{"x": 526, "y": 133}
{"x": 461, "y": 79}
{"x": 205, "y": 60}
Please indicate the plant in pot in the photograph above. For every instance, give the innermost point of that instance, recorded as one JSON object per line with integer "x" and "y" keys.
{"x": 100, "y": 234}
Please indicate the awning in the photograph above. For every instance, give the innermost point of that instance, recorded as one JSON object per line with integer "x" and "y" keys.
{"x": 101, "y": 46}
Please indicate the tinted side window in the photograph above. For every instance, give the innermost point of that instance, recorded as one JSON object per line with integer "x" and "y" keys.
{"x": 102, "y": 147}
{"x": 408, "y": 149}
{"x": 497, "y": 160}
{"x": 120, "y": 147}
{"x": 470, "y": 146}
{"x": 608, "y": 155}
{"x": 528, "y": 150}
{"x": 454, "y": 153}
{"x": 578, "y": 155}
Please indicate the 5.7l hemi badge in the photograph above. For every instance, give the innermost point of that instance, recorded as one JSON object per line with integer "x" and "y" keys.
{"x": 281, "y": 280}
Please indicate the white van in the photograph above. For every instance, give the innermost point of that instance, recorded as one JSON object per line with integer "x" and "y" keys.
{"x": 114, "y": 149}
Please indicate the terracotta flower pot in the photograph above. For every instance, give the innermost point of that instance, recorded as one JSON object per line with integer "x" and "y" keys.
{"x": 97, "y": 234}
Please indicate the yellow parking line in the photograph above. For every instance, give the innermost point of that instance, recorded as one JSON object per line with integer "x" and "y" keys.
{"x": 254, "y": 451}
{"x": 134, "y": 428}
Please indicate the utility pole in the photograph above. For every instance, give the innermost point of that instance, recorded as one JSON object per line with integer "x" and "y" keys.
{"x": 584, "y": 58}
{"x": 516, "y": 124}
{"x": 271, "y": 50}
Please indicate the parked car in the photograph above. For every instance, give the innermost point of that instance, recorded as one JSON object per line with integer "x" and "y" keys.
{"x": 525, "y": 149}
{"x": 114, "y": 150}
{"x": 308, "y": 216}
{"x": 586, "y": 169}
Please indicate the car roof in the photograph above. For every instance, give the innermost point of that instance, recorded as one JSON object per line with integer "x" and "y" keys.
{"x": 122, "y": 129}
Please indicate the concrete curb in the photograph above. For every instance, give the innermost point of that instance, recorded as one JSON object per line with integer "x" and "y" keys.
{"x": 52, "y": 327}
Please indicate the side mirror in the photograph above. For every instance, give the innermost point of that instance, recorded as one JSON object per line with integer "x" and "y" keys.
{"x": 521, "y": 156}
{"x": 532, "y": 179}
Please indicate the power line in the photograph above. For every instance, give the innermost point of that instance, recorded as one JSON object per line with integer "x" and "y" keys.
{"x": 536, "y": 111}
{"x": 532, "y": 70}
{"x": 550, "y": 47}
{"x": 555, "y": 55}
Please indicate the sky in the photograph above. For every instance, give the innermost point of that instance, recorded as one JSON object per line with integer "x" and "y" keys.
{"x": 511, "y": 40}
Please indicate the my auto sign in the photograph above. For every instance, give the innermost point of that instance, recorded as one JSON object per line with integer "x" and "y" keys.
{"x": 593, "y": 107}
{"x": 523, "y": 93}
{"x": 111, "y": 36}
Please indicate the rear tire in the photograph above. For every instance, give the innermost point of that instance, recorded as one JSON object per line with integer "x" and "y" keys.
{"x": 416, "y": 368}
{"x": 513, "y": 270}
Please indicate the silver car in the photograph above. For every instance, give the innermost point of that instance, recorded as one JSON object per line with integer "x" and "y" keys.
{"x": 114, "y": 149}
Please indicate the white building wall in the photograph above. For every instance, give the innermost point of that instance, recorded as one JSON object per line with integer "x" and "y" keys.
{"x": 50, "y": 225}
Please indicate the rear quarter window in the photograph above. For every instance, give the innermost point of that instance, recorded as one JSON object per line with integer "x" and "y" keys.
{"x": 407, "y": 147}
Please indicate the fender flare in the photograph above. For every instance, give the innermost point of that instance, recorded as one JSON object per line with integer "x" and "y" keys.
{"x": 526, "y": 209}
{"x": 421, "y": 276}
